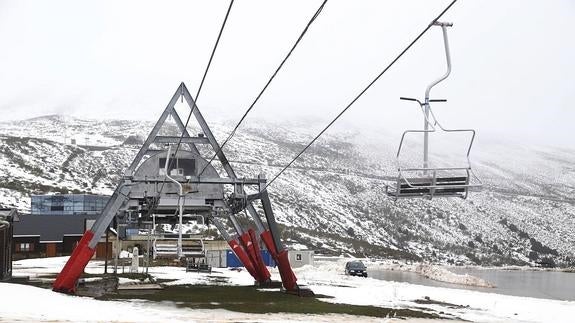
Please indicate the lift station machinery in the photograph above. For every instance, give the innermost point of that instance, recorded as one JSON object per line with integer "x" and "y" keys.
{"x": 162, "y": 184}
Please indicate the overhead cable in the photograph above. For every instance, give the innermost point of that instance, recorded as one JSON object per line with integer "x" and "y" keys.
{"x": 362, "y": 92}
{"x": 197, "y": 93}
{"x": 313, "y": 18}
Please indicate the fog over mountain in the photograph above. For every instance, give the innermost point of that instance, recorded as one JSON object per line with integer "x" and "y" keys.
{"x": 333, "y": 199}
{"x": 513, "y": 68}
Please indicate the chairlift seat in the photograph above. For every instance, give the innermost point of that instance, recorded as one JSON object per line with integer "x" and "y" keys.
{"x": 169, "y": 248}
{"x": 445, "y": 181}
{"x": 429, "y": 186}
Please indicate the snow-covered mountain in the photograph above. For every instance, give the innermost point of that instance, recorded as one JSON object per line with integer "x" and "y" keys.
{"x": 333, "y": 199}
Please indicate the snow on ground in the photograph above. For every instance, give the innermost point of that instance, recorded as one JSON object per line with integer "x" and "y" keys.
{"x": 328, "y": 279}
{"x": 324, "y": 278}
{"x": 432, "y": 272}
{"x": 33, "y": 304}
{"x": 444, "y": 275}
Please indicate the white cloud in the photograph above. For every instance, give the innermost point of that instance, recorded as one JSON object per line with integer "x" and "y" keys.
{"x": 513, "y": 70}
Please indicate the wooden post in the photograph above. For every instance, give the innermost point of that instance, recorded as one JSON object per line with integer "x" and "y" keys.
{"x": 106, "y": 252}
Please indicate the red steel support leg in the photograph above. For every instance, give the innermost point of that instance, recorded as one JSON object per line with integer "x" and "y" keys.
{"x": 236, "y": 246}
{"x": 272, "y": 241}
{"x": 66, "y": 280}
{"x": 243, "y": 257}
{"x": 269, "y": 242}
{"x": 261, "y": 266}
{"x": 251, "y": 251}
{"x": 289, "y": 279}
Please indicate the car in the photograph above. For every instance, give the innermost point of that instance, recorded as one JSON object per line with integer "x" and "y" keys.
{"x": 355, "y": 268}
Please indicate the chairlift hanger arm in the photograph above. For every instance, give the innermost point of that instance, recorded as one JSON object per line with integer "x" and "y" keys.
{"x": 443, "y": 26}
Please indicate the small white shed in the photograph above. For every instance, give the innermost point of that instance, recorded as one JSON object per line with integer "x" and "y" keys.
{"x": 298, "y": 258}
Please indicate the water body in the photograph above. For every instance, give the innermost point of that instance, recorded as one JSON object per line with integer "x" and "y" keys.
{"x": 539, "y": 284}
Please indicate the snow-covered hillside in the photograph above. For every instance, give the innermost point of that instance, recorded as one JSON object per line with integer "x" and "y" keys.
{"x": 333, "y": 199}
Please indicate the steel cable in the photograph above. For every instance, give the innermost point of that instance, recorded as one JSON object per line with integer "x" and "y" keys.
{"x": 361, "y": 93}
{"x": 196, "y": 98}
{"x": 313, "y": 18}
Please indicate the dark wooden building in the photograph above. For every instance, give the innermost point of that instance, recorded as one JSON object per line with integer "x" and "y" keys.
{"x": 38, "y": 236}
{"x": 7, "y": 219}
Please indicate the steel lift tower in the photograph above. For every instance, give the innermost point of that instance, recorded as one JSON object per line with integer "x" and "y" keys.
{"x": 150, "y": 187}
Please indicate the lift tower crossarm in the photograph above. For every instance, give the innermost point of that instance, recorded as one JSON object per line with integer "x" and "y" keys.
{"x": 199, "y": 180}
{"x": 175, "y": 139}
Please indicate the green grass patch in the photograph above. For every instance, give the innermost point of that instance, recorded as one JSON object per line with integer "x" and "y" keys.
{"x": 248, "y": 299}
{"x": 138, "y": 276}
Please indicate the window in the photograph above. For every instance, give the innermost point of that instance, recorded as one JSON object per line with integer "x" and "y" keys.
{"x": 298, "y": 256}
{"x": 187, "y": 166}
{"x": 25, "y": 247}
{"x": 56, "y": 202}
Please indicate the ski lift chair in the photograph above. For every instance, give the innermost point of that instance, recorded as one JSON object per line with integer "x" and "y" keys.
{"x": 427, "y": 181}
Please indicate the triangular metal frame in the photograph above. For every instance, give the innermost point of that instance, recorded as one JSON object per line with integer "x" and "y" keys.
{"x": 209, "y": 138}
{"x": 187, "y": 140}
{"x": 81, "y": 255}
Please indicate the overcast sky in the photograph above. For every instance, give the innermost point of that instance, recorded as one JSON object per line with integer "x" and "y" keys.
{"x": 513, "y": 61}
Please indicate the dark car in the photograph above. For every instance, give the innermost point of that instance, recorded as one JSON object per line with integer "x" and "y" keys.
{"x": 355, "y": 268}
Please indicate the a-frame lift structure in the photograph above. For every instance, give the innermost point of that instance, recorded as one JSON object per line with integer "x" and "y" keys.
{"x": 145, "y": 191}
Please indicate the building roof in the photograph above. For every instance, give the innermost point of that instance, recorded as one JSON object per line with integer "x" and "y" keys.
{"x": 51, "y": 227}
{"x": 67, "y": 195}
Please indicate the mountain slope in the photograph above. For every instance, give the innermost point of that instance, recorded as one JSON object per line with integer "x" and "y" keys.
{"x": 332, "y": 199}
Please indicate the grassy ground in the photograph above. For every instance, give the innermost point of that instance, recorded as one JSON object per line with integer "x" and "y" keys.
{"x": 248, "y": 299}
